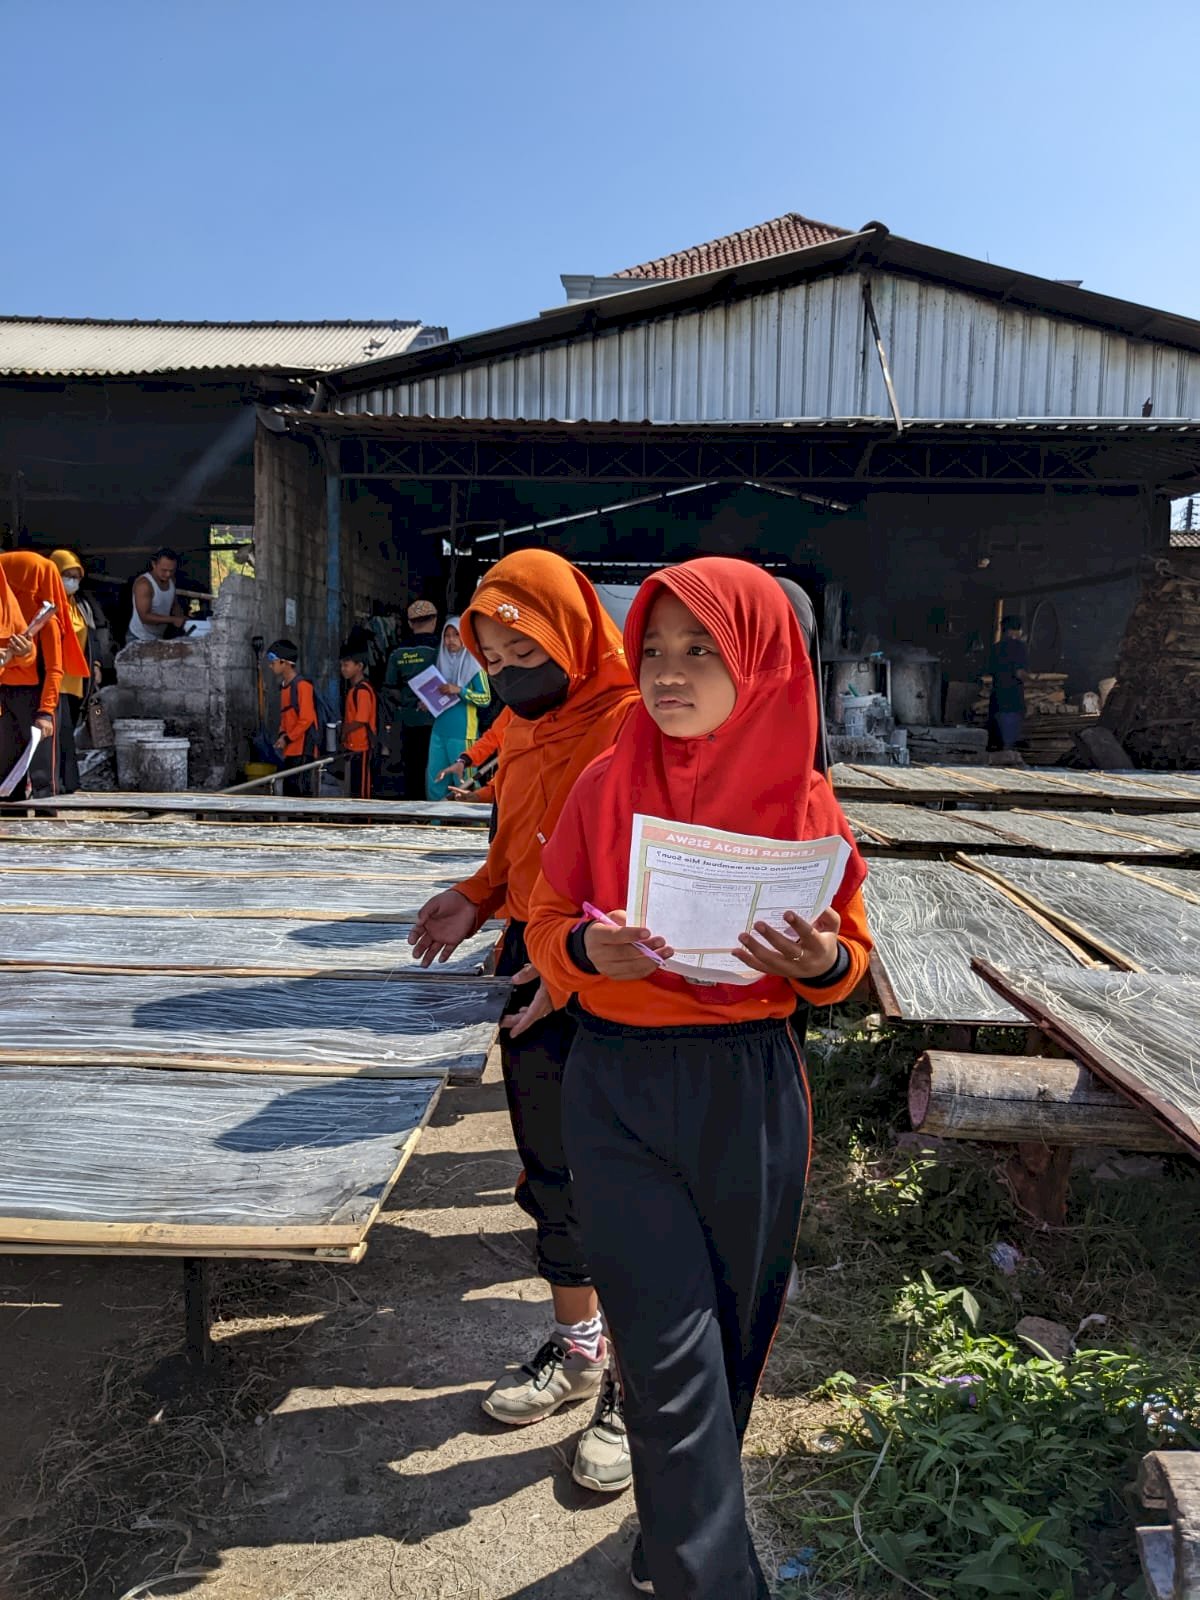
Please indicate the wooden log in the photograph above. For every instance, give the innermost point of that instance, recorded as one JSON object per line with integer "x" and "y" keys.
{"x": 1169, "y": 1481}
{"x": 1024, "y": 1099}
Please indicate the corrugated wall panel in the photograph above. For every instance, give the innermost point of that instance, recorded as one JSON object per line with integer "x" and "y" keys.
{"x": 806, "y": 351}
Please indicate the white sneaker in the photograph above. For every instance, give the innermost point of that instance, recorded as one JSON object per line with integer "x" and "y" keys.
{"x": 557, "y": 1375}
{"x": 602, "y": 1457}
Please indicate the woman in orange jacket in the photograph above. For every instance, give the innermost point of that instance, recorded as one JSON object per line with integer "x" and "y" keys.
{"x": 555, "y": 659}
{"x": 685, "y": 1109}
{"x": 29, "y": 695}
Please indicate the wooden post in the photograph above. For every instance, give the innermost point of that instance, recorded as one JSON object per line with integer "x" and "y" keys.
{"x": 1169, "y": 1481}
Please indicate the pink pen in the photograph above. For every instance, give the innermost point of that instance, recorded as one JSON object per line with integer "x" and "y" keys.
{"x": 605, "y": 921}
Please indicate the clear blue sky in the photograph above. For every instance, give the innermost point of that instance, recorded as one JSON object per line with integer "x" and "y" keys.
{"x": 294, "y": 159}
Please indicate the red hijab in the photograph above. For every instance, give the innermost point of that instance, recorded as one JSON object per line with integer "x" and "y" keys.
{"x": 754, "y": 774}
{"x": 537, "y": 593}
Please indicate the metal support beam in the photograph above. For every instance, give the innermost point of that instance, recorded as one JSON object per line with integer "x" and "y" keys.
{"x": 333, "y": 576}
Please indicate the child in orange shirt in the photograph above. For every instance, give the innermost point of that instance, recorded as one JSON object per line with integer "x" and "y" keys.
{"x": 360, "y": 726}
{"x": 298, "y": 722}
{"x": 686, "y": 1118}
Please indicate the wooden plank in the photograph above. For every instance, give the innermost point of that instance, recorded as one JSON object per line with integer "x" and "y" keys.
{"x": 169, "y": 834}
{"x": 1135, "y": 1030}
{"x": 1014, "y": 786}
{"x": 229, "y": 947}
{"x": 1133, "y": 924}
{"x": 313, "y": 1025}
{"x": 1183, "y": 881}
{"x": 137, "y": 1156}
{"x": 929, "y": 918}
{"x": 329, "y": 1255}
{"x": 193, "y": 802}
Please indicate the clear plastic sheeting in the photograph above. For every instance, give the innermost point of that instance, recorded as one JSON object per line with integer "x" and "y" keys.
{"x": 334, "y": 1025}
{"x": 173, "y": 834}
{"x": 356, "y": 946}
{"x": 929, "y": 920}
{"x": 134, "y": 1145}
{"x": 1137, "y": 1030}
{"x": 1125, "y": 917}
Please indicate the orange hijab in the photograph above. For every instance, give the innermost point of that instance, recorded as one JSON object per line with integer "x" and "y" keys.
{"x": 539, "y": 594}
{"x": 754, "y": 774}
{"x": 34, "y": 578}
{"x": 11, "y": 619}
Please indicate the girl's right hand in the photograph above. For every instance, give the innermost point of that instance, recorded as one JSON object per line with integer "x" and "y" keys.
{"x": 611, "y": 950}
{"x": 457, "y": 769}
{"x": 441, "y": 926}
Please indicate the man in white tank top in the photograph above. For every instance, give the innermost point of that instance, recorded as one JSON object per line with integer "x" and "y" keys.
{"x": 155, "y": 606}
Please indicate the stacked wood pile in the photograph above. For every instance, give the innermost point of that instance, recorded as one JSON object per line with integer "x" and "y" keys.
{"x": 1051, "y": 720}
{"x": 1155, "y": 708}
{"x": 952, "y": 746}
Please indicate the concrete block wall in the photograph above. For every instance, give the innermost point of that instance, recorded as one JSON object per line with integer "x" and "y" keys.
{"x": 205, "y": 688}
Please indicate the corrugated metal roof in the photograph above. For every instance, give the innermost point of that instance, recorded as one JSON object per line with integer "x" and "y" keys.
{"x": 774, "y": 238}
{"x": 84, "y": 347}
{"x": 874, "y": 249}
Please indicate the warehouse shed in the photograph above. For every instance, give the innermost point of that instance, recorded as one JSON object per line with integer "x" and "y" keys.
{"x": 918, "y": 436}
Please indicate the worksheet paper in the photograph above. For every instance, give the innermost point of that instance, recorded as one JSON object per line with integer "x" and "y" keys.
{"x": 14, "y": 776}
{"x": 428, "y": 686}
{"x": 699, "y": 888}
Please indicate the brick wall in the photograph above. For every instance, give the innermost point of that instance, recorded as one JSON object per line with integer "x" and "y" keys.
{"x": 205, "y": 688}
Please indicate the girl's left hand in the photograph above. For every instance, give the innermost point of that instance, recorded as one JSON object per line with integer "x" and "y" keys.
{"x": 809, "y": 951}
{"x": 540, "y": 1006}
{"x": 451, "y": 691}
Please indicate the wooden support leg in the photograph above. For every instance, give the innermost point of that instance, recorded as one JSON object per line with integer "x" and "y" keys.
{"x": 198, "y": 1351}
{"x": 1039, "y": 1175}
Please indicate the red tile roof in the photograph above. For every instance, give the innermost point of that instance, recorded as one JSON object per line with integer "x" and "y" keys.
{"x": 774, "y": 238}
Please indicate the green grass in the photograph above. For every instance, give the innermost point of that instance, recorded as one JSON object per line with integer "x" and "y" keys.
{"x": 1015, "y": 1482}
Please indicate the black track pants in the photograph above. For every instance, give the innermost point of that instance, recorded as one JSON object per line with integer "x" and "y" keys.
{"x": 689, "y": 1150}
{"x": 533, "y": 1075}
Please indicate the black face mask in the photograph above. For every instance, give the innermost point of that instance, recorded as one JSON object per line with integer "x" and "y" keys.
{"x": 530, "y": 692}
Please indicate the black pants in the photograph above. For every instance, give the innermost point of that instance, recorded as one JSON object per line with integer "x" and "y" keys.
{"x": 533, "y": 1077}
{"x": 69, "y": 708}
{"x": 415, "y": 761}
{"x": 690, "y": 1152}
{"x": 306, "y": 783}
{"x": 356, "y": 774}
{"x": 18, "y": 707}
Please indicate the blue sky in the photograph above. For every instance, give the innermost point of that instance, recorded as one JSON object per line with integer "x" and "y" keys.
{"x": 261, "y": 159}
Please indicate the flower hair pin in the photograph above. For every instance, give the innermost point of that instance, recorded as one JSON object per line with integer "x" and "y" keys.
{"x": 507, "y": 612}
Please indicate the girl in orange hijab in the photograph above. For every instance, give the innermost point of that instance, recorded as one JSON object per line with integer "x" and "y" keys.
{"x": 556, "y": 660}
{"x": 30, "y": 693}
{"x": 685, "y": 1109}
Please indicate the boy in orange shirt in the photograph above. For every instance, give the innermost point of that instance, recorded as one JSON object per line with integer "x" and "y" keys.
{"x": 360, "y": 726}
{"x": 297, "y": 741}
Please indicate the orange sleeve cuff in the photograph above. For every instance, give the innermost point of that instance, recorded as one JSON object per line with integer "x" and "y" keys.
{"x": 855, "y": 938}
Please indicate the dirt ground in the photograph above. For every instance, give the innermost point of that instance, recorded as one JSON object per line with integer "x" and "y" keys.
{"x": 339, "y": 1450}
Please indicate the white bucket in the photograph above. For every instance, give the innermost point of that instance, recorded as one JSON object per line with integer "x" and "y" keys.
{"x": 854, "y": 720}
{"x": 164, "y": 764}
{"x": 126, "y": 729}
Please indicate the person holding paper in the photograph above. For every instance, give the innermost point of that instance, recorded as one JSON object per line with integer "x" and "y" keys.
{"x": 412, "y": 727}
{"x": 686, "y": 1118}
{"x": 466, "y": 689}
{"x": 555, "y": 658}
{"x": 32, "y": 684}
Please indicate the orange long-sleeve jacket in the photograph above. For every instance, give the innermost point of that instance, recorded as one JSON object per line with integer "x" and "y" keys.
{"x": 650, "y": 1003}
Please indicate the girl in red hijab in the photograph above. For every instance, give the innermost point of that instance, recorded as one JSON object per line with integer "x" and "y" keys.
{"x": 555, "y": 658}
{"x": 686, "y": 1118}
